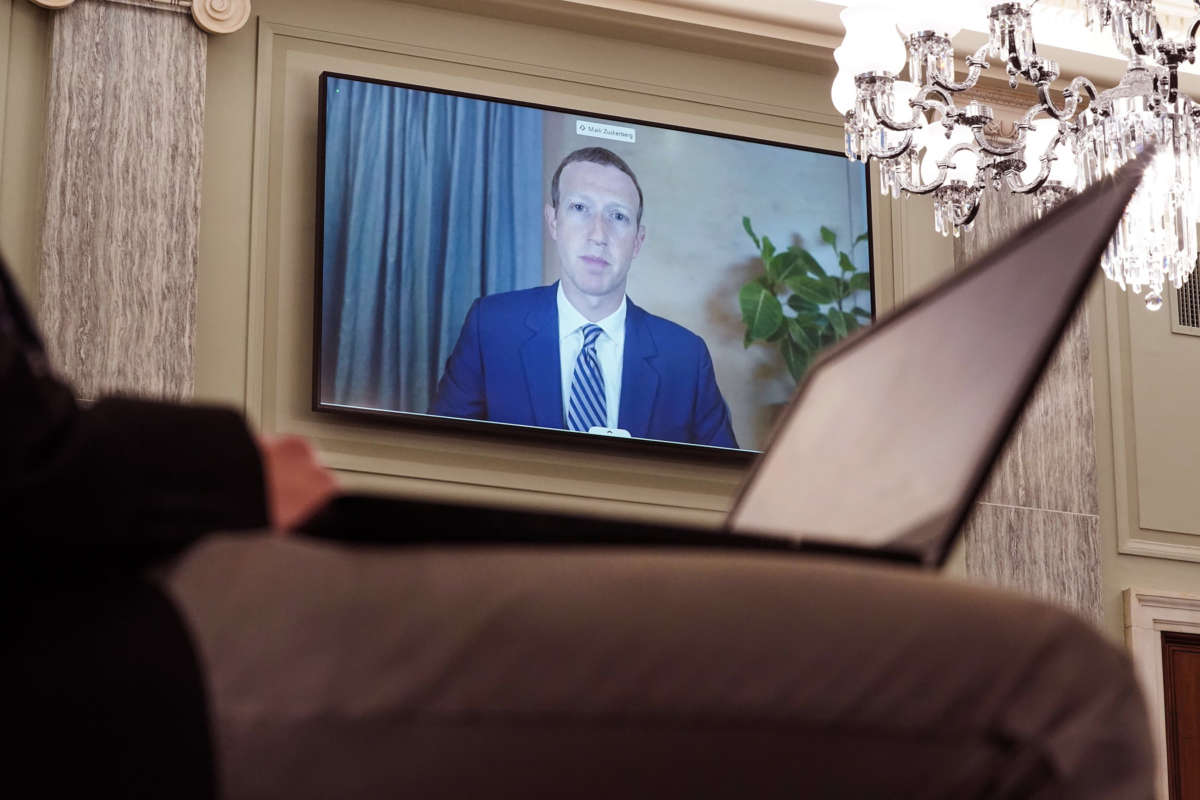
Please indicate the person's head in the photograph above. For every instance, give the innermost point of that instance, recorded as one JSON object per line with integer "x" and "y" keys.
{"x": 595, "y": 220}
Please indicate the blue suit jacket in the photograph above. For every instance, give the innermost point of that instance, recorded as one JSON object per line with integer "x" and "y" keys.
{"x": 505, "y": 368}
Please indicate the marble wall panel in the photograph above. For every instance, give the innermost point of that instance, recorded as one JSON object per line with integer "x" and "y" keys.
{"x": 1050, "y": 554}
{"x": 1036, "y": 528}
{"x": 125, "y": 112}
{"x": 1050, "y": 462}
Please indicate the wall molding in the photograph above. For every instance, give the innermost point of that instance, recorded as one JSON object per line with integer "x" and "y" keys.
{"x": 464, "y": 467}
{"x": 1148, "y": 614}
{"x": 1133, "y": 538}
{"x": 212, "y": 16}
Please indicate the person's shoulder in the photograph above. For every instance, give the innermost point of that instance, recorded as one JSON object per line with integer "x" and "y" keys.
{"x": 668, "y": 335}
{"x": 517, "y": 300}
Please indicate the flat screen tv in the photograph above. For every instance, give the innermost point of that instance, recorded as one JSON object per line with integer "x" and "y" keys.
{"x": 536, "y": 271}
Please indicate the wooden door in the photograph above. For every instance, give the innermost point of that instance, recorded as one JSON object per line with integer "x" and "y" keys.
{"x": 1181, "y": 689}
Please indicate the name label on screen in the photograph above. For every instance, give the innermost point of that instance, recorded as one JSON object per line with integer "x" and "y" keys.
{"x": 614, "y": 132}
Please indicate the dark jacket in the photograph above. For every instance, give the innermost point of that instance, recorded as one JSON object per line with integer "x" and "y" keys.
{"x": 107, "y": 694}
{"x": 505, "y": 367}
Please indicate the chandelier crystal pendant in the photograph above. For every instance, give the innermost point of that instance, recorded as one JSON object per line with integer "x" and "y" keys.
{"x": 926, "y": 144}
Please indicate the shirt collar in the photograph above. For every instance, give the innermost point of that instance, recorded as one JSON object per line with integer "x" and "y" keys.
{"x": 570, "y": 320}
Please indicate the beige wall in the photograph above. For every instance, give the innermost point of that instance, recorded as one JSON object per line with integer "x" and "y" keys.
{"x": 1147, "y": 392}
{"x": 256, "y": 261}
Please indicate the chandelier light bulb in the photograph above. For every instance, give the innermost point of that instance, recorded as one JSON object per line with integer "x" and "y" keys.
{"x": 935, "y": 144}
{"x": 872, "y": 43}
{"x": 843, "y": 92}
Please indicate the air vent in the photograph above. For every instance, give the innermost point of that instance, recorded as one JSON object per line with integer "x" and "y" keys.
{"x": 1187, "y": 307}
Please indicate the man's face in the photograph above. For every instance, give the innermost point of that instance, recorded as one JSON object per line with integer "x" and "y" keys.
{"x": 595, "y": 230}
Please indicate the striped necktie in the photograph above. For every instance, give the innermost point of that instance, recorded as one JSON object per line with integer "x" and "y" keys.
{"x": 588, "y": 407}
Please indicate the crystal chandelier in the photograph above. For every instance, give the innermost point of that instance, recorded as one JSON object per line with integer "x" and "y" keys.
{"x": 927, "y": 144}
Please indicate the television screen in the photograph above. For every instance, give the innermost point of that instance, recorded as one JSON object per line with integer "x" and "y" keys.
{"x": 520, "y": 268}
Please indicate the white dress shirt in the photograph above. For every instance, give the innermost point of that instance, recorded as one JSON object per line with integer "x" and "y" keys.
{"x": 610, "y": 347}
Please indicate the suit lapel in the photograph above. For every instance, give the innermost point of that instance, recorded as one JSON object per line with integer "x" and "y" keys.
{"x": 539, "y": 355}
{"x": 639, "y": 378}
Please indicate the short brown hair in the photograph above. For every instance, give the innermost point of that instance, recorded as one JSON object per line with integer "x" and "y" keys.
{"x": 603, "y": 157}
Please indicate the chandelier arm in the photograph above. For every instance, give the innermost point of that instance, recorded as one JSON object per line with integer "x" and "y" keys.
{"x": 1080, "y": 82}
{"x": 1013, "y": 179}
{"x": 893, "y": 124}
{"x": 925, "y": 188}
{"x": 1134, "y": 38}
{"x": 1026, "y": 122}
{"x": 944, "y": 98}
{"x": 994, "y": 150}
{"x": 969, "y": 217}
{"x": 948, "y": 159}
{"x": 1013, "y": 66}
{"x": 898, "y": 150}
{"x": 1071, "y": 98}
{"x": 972, "y": 212}
{"x": 1194, "y": 27}
{"x": 976, "y": 64}
{"x": 944, "y": 110}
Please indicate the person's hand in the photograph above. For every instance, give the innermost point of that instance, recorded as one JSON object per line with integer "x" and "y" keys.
{"x": 296, "y": 484}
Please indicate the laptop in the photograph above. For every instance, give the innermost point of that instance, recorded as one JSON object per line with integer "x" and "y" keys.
{"x": 934, "y": 389}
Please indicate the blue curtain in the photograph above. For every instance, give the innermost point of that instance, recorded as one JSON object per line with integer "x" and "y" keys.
{"x": 430, "y": 202}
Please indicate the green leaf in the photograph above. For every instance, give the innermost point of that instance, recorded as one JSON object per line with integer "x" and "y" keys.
{"x": 802, "y": 306}
{"x": 811, "y": 321}
{"x": 768, "y": 249}
{"x": 860, "y": 282}
{"x": 784, "y": 265}
{"x": 779, "y": 333}
{"x": 810, "y": 263}
{"x": 845, "y": 263}
{"x": 829, "y": 237}
{"x": 837, "y": 322}
{"x": 800, "y": 336}
{"x": 836, "y": 287}
{"x": 747, "y": 340}
{"x": 862, "y": 237}
{"x": 750, "y": 230}
{"x": 761, "y": 311}
{"x": 810, "y": 289}
{"x": 795, "y": 357}
{"x": 862, "y": 312}
{"x": 851, "y": 323}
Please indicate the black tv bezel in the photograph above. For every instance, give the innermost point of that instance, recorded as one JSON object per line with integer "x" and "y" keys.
{"x": 503, "y": 430}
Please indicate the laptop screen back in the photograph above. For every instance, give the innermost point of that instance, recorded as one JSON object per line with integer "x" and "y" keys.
{"x": 890, "y": 438}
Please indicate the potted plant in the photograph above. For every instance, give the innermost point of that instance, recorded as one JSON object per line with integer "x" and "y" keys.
{"x": 797, "y": 304}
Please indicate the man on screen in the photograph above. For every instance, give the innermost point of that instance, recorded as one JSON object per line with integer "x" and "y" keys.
{"x": 578, "y": 354}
